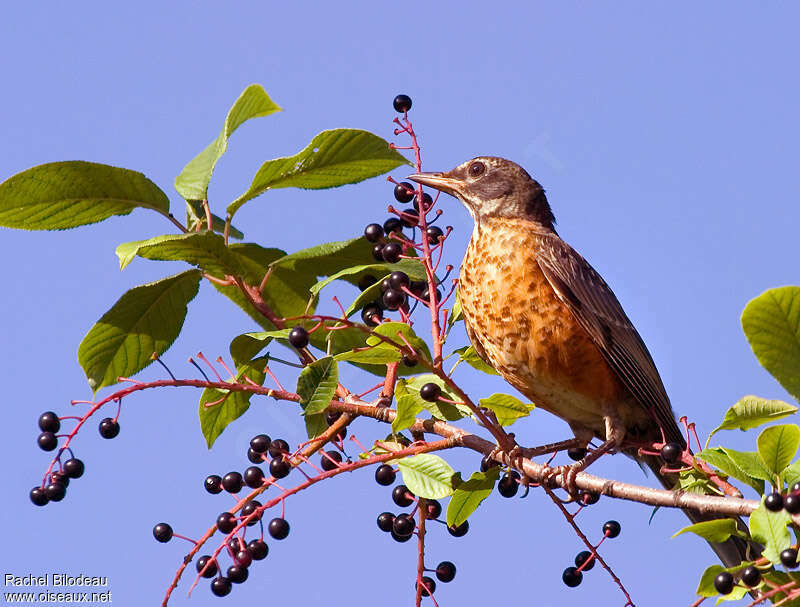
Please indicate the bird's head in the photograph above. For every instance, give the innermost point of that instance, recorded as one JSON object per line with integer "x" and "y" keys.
{"x": 493, "y": 187}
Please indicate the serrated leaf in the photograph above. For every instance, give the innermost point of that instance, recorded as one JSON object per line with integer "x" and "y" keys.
{"x": 333, "y": 158}
{"x": 206, "y": 250}
{"x": 751, "y": 463}
{"x": 63, "y": 195}
{"x": 228, "y": 405}
{"x": 752, "y": 411}
{"x": 771, "y": 323}
{"x": 469, "y": 495}
{"x": 144, "y": 321}
{"x": 778, "y": 445}
{"x": 694, "y": 481}
{"x": 317, "y": 384}
{"x": 719, "y": 459}
{"x": 470, "y": 356}
{"x": 427, "y": 475}
{"x": 192, "y": 183}
{"x": 196, "y": 216}
{"x": 714, "y": 531}
{"x": 507, "y": 408}
{"x": 769, "y": 529}
{"x": 439, "y": 410}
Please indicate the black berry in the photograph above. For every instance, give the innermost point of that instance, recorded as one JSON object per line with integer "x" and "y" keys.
{"x": 393, "y": 299}
{"x": 795, "y": 488}
{"x": 385, "y": 475}
{"x": 330, "y": 460}
{"x": 792, "y": 503}
{"x": 572, "y": 577}
{"x": 298, "y": 337}
{"x": 409, "y": 361}
{"x": 385, "y": 521}
{"x": 751, "y": 576}
{"x": 237, "y": 574}
{"x": 402, "y": 103}
{"x": 402, "y": 496}
{"x": 398, "y": 280}
{"x": 39, "y": 496}
{"x": 391, "y": 252}
{"x": 213, "y": 484}
{"x": 789, "y": 558}
{"x": 232, "y": 482}
{"x": 459, "y": 530}
{"x": 109, "y": 428}
{"x": 244, "y": 558}
{"x": 426, "y": 296}
{"x": 278, "y": 528}
{"x": 248, "y": 509}
{"x": 403, "y": 525}
{"x": 211, "y": 571}
{"x": 254, "y": 477}
{"x": 445, "y": 571}
{"x": 221, "y": 586}
{"x": 430, "y": 392}
{"x": 404, "y": 192}
{"x": 279, "y": 467}
{"x": 587, "y": 498}
{"x": 47, "y": 441}
{"x": 393, "y": 224}
{"x": 774, "y": 502}
{"x": 226, "y": 522}
{"x": 434, "y": 509}
{"x": 488, "y": 462}
{"x": 372, "y": 315}
{"x": 576, "y": 454}
{"x": 410, "y": 218}
{"x": 611, "y": 529}
{"x": 417, "y": 287}
{"x": 434, "y": 234}
{"x": 254, "y": 456}
{"x": 73, "y": 468}
{"x": 59, "y": 477}
{"x": 428, "y": 586}
{"x": 258, "y": 549}
{"x": 278, "y": 447}
{"x": 49, "y": 422}
{"x": 162, "y": 532}
{"x": 509, "y": 485}
{"x": 400, "y": 538}
{"x": 724, "y": 583}
{"x": 671, "y": 453}
{"x": 377, "y": 252}
{"x": 583, "y": 557}
{"x": 373, "y": 232}
{"x": 427, "y": 201}
{"x": 55, "y": 492}
{"x": 366, "y": 281}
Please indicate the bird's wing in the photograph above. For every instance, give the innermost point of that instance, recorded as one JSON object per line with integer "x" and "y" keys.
{"x": 599, "y": 312}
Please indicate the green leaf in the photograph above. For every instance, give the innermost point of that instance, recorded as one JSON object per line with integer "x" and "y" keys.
{"x": 718, "y": 458}
{"x": 245, "y": 346}
{"x": 470, "y": 356}
{"x": 193, "y": 181}
{"x": 439, "y": 410}
{"x": 791, "y": 474}
{"x": 706, "y": 585}
{"x": 144, "y": 321}
{"x": 771, "y": 323}
{"x": 62, "y": 195}
{"x": 469, "y": 495}
{"x": 751, "y": 463}
{"x": 317, "y": 384}
{"x": 196, "y": 216}
{"x": 714, "y": 531}
{"x": 456, "y": 313}
{"x": 333, "y": 158}
{"x": 778, "y": 445}
{"x": 769, "y": 528}
{"x": 427, "y": 475}
{"x": 353, "y": 274}
{"x": 206, "y": 250}
{"x": 228, "y": 405}
{"x": 408, "y": 407}
{"x": 752, "y": 411}
{"x": 393, "y": 331}
{"x": 377, "y": 355}
{"x": 328, "y": 258}
{"x": 366, "y": 297}
{"x": 315, "y": 424}
{"x": 507, "y": 408}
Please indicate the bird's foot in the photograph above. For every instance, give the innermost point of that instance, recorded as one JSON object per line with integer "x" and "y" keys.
{"x": 567, "y": 473}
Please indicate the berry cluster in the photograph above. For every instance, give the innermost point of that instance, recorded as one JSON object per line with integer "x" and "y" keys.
{"x": 584, "y": 560}
{"x": 750, "y": 576}
{"x": 789, "y": 502}
{"x": 54, "y": 485}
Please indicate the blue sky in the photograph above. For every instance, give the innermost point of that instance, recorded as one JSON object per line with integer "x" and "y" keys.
{"x": 667, "y": 141}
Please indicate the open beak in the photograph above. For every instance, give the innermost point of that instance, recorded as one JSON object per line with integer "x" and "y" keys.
{"x": 438, "y": 181}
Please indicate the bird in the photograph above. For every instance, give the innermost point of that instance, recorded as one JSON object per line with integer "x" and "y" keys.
{"x": 539, "y": 314}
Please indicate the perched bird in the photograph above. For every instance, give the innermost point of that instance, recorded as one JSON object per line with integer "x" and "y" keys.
{"x": 537, "y": 312}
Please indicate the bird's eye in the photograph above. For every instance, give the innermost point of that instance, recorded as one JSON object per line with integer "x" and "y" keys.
{"x": 476, "y": 168}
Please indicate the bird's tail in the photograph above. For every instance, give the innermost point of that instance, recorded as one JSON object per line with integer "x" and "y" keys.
{"x": 732, "y": 551}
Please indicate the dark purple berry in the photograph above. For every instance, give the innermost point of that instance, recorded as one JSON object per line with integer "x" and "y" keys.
{"x": 391, "y": 252}
{"x": 572, "y": 577}
{"x": 254, "y": 456}
{"x": 410, "y": 218}
{"x": 258, "y": 549}
{"x": 671, "y": 453}
{"x": 226, "y": 522}
{"x": 584, "y": 557}
{"x": 39, "y": 496}
{"x": 427, "y": 201}
{"x": 278, "y": 528}
{"x": 409, "y": 361}
{"x": 751, "y": 576}
{"x": 385, "y": 475}
{"x": 331, "y": 417}
{"x": 434, "y": 234}
{"x": 366, "y": 281}
{"x": 373, "y": 232}
{"x": 488, "y": 462}
{"x": 330, "y": 460}
{"x": 724, "y": 583}
{"x": 400, "y": 538}
{"x": 213, "y": 484}
{"x": 393, "y": 299}
{"x": 47, "y": 441}
{"x": 254, "y": 477}
{"x": 789, "y": 558}
{"x": 576, "y": 454}
{"x": 59, "y": 477}
{"x": 417, "y": 287}
{"x": 74, "y": 467}
{"x": 49, "y": 422}
{"x": 795, "y": 488}
{"x": 211, "y": 571}
{"x": 279, "y": 467}
{"x": 403, "y": 525}
{"x": 509, "y": 484}
{"x": 237, "y": 573}
{"x": 445, "y": 571}
{"x": 611, "y": 529}
{"x": 402, "y": 103}
{"x": 402, "y": 496}
{"x": 426, "y": 296}
{"x": 393, "y": 224}
{"x": 372, "y": 315}
{"x": 430, "y": 392}
{"x": 278, "y": 447}
{"x": 773, "y": 502}
{"x": 434, "y": 509}
{"x": 587, "y": 498}
{"x": 221, "y": 586}
{"x": 298, "y": 337}
{"x": 385, "y": 521}
{"x": 404, "y": 192}
{"x": 427, "y": 584}
{"x": 232, "y": 482}
{"x": 377, "y": 252}
{"x": 250, "y": 508}
{"x": 792, "y": 503}
{"x": 459, "y": 530}
{"x": 56, "y": 491}
{"x": 162, "y": 532}
{"x": 109, "y": 428}
{"x": 398, "y": 280}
